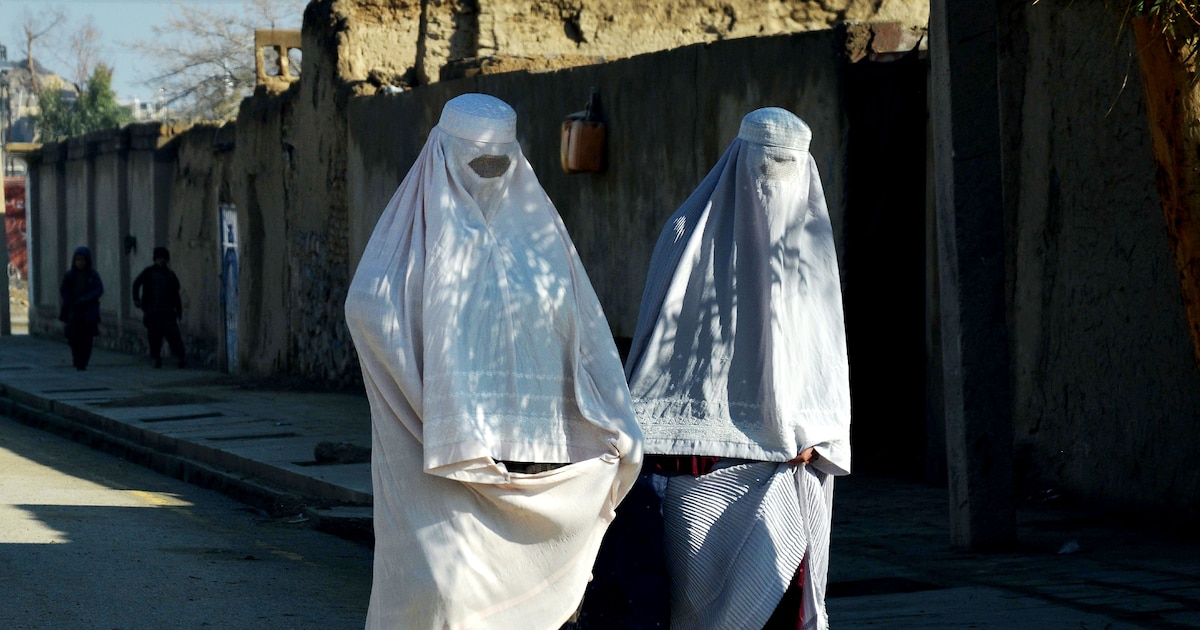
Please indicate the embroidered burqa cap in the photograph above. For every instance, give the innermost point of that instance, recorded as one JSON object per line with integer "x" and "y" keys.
{"x": 482, "y": 341}
{"x": 740, "y": 346}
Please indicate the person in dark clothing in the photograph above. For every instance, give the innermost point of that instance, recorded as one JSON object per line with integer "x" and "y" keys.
{"x": 156, "y": 292}
{"x": 80, "y": 290}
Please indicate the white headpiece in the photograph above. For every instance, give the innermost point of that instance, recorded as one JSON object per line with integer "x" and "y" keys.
{"x": 775, "y": 127}
{"x": 480, "y": 118}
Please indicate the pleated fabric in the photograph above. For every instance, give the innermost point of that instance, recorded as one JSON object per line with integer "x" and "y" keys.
{"x": 482, "y": 342}
{"x": 735, "y": 538}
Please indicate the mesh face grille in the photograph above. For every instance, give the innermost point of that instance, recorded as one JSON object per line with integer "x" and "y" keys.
{"x": 773, "y": 163}
{"x": 489, "y": 166}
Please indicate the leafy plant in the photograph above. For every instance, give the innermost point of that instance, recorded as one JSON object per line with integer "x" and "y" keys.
{"x": 1179, "y": 20}
{"x": 94, "y": 109}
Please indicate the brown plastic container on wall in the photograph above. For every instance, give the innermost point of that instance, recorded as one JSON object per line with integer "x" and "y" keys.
{"x": 583, "y": 139}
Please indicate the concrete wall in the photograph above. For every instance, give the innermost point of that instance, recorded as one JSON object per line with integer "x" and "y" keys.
{"x": 318, "y": 229}
{"x": 80, "y": 221}
{"x": 1106, "y": 394}
{"x": 287, "y": 178}
{"x": 256, "y": 184}
{"x": 45, "y": 240}
{"x": 110, "y": 225}
{"x": 145, "y": 214}
{"x": 189, "y": 221}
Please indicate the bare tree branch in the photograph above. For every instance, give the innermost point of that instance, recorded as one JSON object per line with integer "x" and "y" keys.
{"x": 35, "y": 26}
{"x": 206, "y": 53}
{"x": 81, "y": 51}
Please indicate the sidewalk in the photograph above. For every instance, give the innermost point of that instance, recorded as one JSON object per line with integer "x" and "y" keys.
{"x": 891, "y": 564}
{"x": 202, "y": 426}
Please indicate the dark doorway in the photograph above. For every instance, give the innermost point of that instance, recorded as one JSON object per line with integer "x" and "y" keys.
{"x": 884, "y": 297}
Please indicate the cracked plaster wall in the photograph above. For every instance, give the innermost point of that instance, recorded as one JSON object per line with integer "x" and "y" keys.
{"x": 1105, "y": 389}
{"x": 410, "y": 42}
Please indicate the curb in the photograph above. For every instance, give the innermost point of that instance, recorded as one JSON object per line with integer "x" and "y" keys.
{"x": 162, "y": 455}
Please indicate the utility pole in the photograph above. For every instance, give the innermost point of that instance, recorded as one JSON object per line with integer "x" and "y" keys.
{"x": 965, "y": 114}
{"x": 5, "y": 299}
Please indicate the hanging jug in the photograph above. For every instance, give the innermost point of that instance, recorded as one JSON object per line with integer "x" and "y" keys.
{"x": 583, "y": 137}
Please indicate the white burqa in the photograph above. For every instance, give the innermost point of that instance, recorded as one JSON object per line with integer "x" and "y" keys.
{"x": 740, "y": 353}
{"x": 482, "y": 341}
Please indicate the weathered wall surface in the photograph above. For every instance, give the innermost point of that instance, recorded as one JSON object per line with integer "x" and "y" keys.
{"x": 46, "y": 246}
{"x": 365, "y": 38}
{"x": 620, "y": 28}
{"x": 1106, "y": 392}
{"x": 660, "y": 145}
{"x": 414, "y": 42}
{"x": 80, "y": 220}
{"x": 189, "y": 221}
{"x": 257, "y": 184}
{"x": 282, "y": 166}
{"x": 320, "y": 230}
{"x": 111, "y": 225}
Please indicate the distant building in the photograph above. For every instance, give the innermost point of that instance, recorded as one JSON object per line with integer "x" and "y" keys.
{"x": 144, "y": 111}
{"x": 19, "y": 101}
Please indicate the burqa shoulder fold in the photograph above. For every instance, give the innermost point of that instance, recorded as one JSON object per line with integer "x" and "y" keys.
{"x": 482, "y": 343}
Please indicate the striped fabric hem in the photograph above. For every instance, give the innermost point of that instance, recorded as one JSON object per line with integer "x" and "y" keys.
{"x": 735, "y": 538}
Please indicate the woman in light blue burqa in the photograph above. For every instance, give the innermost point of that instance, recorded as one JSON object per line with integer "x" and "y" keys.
{"x": 740, "y": 383}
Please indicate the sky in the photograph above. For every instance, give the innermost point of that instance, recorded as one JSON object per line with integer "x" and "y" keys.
{"x": 119, "y": 22}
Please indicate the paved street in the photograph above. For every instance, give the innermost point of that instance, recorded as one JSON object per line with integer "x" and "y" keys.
{"x": 891, "y": 564}
{"x": 88, "y": 540}
{"x": 1079, "y": 569}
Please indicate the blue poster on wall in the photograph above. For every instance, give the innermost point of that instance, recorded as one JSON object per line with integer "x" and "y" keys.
{"x": 229, "y": 284}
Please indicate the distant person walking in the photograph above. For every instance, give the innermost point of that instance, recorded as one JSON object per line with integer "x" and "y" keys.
{"x": 156, "y": 292}
{"x": 80, "y": 290}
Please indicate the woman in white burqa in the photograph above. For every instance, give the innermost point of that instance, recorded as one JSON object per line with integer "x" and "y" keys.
{"x": 738, "y": 366}
{"x": 503, "y": 433}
